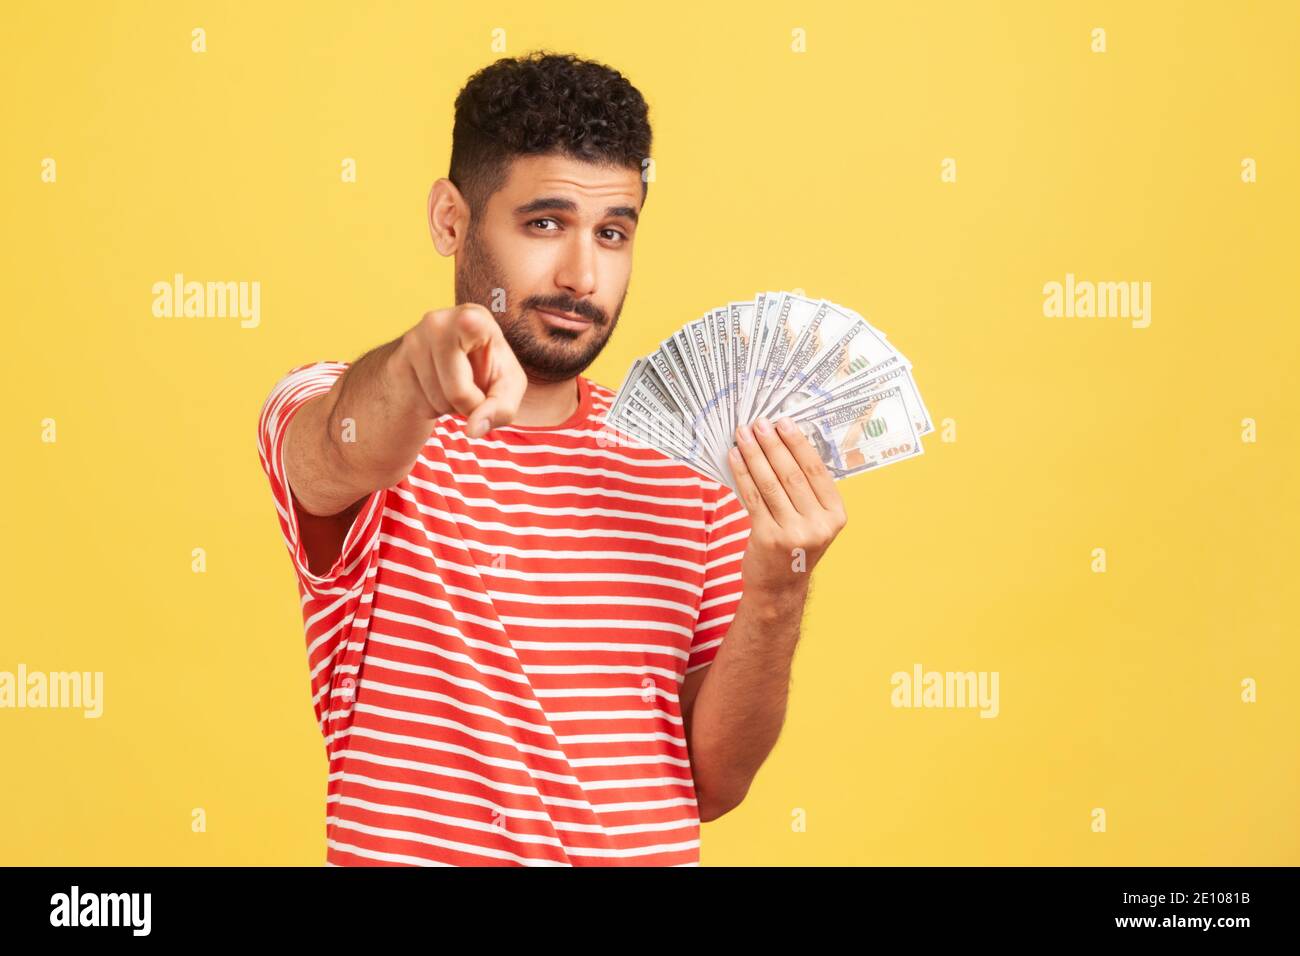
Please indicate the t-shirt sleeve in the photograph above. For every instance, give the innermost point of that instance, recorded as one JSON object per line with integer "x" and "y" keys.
{"x": 727, "y": 536}
{"x": 289, "y": 395}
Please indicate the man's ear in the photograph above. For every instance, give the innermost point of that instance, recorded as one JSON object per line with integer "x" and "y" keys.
{"x": 448, "y": 217}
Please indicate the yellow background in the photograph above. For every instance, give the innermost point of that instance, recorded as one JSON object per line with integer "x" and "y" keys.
{"x": 775, "y": 170}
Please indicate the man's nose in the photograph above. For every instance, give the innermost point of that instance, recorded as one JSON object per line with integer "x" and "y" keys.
{"x": 577, "y": 271}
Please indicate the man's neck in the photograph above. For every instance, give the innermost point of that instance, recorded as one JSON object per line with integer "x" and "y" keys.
{"x": 546, "y": 404}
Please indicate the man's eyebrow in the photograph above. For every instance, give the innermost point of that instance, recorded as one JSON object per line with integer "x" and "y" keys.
{"x": 558, "y": 204}
{"x": 621, "y": 212}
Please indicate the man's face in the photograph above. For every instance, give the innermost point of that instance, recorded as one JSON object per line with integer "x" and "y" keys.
{"x": 558, "y": 237}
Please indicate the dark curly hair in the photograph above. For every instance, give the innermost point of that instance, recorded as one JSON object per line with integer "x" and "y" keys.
{"x": 539, "y": 103}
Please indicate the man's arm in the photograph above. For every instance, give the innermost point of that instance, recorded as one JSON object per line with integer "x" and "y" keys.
{"x": 454, "y": 360}
{"x": 733, "y": 710}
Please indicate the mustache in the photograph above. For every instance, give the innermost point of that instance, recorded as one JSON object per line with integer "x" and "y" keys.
{"x": 588, "y": 310}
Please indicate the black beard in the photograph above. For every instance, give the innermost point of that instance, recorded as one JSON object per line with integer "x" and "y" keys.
{"x": 550, "y": 359}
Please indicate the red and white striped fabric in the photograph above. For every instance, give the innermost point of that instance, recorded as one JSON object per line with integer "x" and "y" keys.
{"x": 496, "y": 655}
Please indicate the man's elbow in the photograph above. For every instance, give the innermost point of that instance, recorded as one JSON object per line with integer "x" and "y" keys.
{"x": 712, "y": 807}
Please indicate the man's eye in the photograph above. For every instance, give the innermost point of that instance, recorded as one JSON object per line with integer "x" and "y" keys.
{"x": 614, "y": 233}
{"x": 546, "y": 219}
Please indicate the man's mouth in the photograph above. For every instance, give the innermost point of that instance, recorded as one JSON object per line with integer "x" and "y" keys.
{"x": 565, "y": 320}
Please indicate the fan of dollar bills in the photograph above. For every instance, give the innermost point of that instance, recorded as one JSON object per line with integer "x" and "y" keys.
{"x": 822, "y": 364}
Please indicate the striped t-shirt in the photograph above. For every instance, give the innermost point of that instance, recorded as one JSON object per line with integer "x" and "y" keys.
{"x": 496, "y": 655}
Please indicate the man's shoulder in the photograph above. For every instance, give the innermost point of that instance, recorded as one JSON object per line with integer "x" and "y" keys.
{"x": 601, "y": 391}
{"x": 600, "y": 400}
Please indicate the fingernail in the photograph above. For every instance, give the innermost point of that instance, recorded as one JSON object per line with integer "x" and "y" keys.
{"x": 763, "y": 425}
{"x": 786, "y": 425}
{"x": 733, "y": 453}
{"x": 745, "y": 435}
{"x": 478, "y": 428}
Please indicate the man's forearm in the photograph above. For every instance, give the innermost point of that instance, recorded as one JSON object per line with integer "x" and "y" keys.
{"x": 795, "y": 512}
{"x": 741, "y": 704}
{"x": 362, "y": 435}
